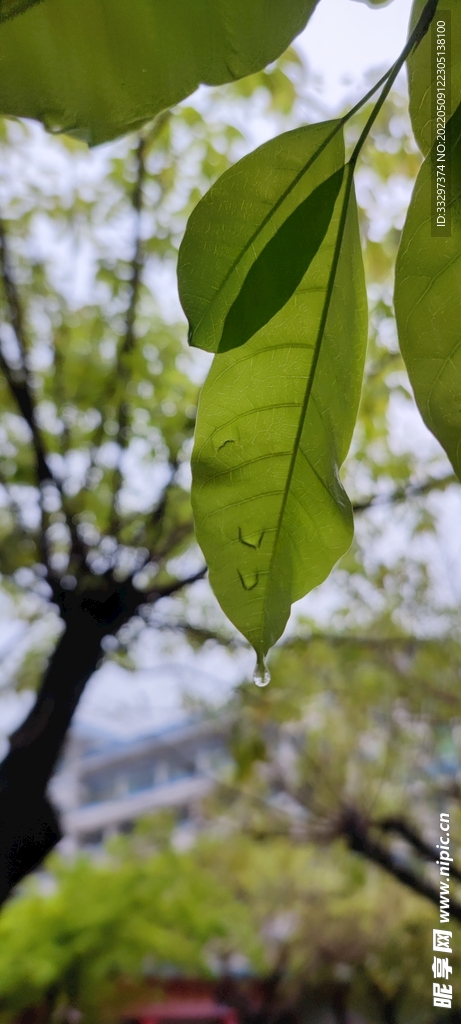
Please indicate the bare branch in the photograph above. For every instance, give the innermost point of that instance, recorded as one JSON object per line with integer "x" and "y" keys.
{"x": 402, "y": 828}
{"x": 19, "y": 388}
{"x": 12, "y": 296}
{"x": 16, "y": 511}
{"x": 18, "y": 381}
{"x": 174, "y": 587}
{"x": 19, "y": 384}
{"x": 410, "y": 644}
{"x": 172, "y": 540}
{"x": 356, "y": 831}
{"x": 199, "y": 634}
{"x": 129, "y": 340}
{"x": 405, "y": 493}
{"x": 127, "y": 344}
{"x": 157, "y": 514}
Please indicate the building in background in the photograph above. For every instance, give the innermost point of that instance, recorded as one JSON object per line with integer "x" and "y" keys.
{"x": 104, "y": 785}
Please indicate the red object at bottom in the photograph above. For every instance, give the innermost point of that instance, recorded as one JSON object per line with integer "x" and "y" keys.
{"x": 184, "y": 1011}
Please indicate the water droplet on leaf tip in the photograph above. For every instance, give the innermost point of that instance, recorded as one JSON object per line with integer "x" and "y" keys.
{"x": 261, "y": 675}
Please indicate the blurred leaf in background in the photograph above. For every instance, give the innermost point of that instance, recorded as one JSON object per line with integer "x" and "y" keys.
{"x": 323, "y": 934}
{"x": 104, "y": 69}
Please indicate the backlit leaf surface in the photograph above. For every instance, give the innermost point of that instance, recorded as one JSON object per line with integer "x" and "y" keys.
{"x": 422, "y": 71}
{"x": 252, "y": 237}
{"x": 11, "y": 8}
{"x": 98, "y": 68}
{"x": 428, "y": 304}
{"x": 274, "y": 425}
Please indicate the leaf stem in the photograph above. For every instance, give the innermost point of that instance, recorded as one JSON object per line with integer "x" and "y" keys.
{"x": 414, "y": 39}
{"x": 388, "y": 80}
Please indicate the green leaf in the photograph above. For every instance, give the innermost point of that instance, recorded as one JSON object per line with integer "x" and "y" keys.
{"x": 263, "y": 221}
{"x": 276, "y": 415}
{"x": 421, "y": 71}
{"x": 98, "y": 68}
{"x": 428, "y": 303}
{"x": 11, "y": 8}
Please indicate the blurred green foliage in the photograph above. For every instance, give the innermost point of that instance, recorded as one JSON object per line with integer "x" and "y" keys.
{"x": 101, "y": 924}
{"x": 88, "y": 936}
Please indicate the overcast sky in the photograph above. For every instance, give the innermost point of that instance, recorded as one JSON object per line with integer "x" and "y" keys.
{"x": 346, "y": 39}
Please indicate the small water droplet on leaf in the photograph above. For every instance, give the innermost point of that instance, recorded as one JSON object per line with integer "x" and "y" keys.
{"x": 261, "y": 675}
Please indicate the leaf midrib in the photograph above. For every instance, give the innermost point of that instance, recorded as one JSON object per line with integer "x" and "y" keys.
{"x": 314, "y": 364}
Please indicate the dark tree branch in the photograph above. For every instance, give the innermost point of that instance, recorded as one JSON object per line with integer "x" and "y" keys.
{"x": 30, "y": 827}
{"x": 410, "y": 644}
{"x": 26, "y": 536}
{"x": 388, "y": 1004}
{"x": 137, "y": 261}
{"x": 18, "y": 379}
{"x": 425, "y": 850}
{"x": 19, "y": 389}
{"x": 177, "y": 535}
{"x": 405, "y": 493}
{"x": 172, "y": 588}
{"x": 13, "y": 504}
{"x": 199, "y": 634}
{"x": 123, "y": 373}
{"x": 12, "y": 297}
{"x": 357, "y": 833}
{"x": 78, "y": 549}
{"x": 156, "y": 517}
{"x": 129, "y": 340}
{"x": 158, "y": 512}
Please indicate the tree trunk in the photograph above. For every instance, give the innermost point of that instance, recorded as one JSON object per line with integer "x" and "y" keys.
{"x": 339, "y": 1002}
{"x": 390, "y": 1007}
{"x": 30, "y": 826}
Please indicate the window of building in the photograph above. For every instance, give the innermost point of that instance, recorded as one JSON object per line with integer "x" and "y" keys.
{"x": 126, "y": 828}
{"x": 98, "y": 787}
{"x": 94, "y": 838}
{"x": 180, "y": 770}
{"x": 140, "y": 776}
